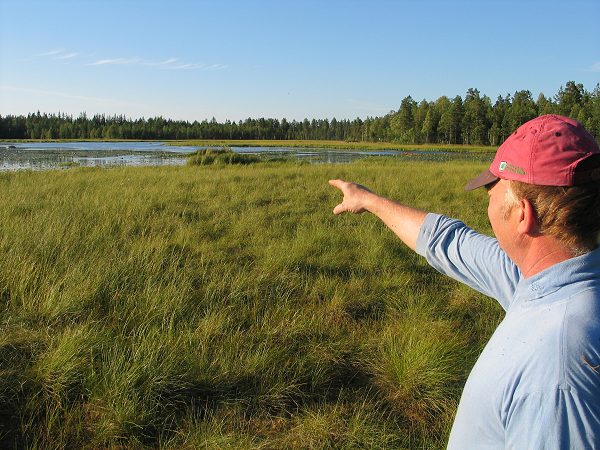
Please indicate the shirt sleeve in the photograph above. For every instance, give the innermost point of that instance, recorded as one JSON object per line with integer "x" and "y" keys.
{"x": 456, "y": 250}
{"x": 551, "y": 420}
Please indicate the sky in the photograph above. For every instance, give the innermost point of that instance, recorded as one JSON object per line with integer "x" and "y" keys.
{"x": 194, "y": 60}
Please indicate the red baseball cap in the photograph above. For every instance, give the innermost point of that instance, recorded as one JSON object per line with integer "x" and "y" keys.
{"x": 550, "y": 150}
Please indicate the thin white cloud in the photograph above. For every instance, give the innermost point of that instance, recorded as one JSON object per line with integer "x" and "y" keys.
{"x": 118, "y": 61}
{"x": 194, "y": 66}
{"x": 183, "y": 66}
{"x": 216, "y": 67}
{"x": 67, "y": 56}
{"x": 51, "y": 53}
{"x": 65, "y": 95}
{"x": 58, "y": 54}
{"x": 169, "y": 63}
{"x": 165, "y": 62}
{"x": 595, "y": 67}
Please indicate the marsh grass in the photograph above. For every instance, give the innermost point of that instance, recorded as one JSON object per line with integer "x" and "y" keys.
{"x": 222, "y": 156}
{"x": 225, "y": 306}
{"x": 331, "y": 144}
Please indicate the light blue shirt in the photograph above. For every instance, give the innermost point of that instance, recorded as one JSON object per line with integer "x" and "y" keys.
{"x": 536, "y": 385}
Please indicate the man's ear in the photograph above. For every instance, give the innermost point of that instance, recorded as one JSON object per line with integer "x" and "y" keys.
{"x": 528, "y": 223}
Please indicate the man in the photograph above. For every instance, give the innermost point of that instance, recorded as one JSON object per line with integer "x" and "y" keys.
{"x": 537, "y": 382}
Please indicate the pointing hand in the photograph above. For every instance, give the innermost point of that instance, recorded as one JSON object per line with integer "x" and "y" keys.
{"x": 355, "y": 197}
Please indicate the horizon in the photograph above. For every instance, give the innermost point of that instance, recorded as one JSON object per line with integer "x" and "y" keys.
{"x": 232, "y": 60}
{"x": 88, "y": 115}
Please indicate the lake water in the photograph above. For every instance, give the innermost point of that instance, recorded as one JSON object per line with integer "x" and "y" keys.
{"x": 54, "y": 155}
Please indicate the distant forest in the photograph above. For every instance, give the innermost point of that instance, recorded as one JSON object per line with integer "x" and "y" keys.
{"x": 473, "y": 119}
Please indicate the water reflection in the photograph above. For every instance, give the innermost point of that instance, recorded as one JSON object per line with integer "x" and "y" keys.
{"x": 52, "y": 155}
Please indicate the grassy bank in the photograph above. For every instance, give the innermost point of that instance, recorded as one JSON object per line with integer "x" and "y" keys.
{"x": 336, "y": 145}
{"x": 226, "y": 307}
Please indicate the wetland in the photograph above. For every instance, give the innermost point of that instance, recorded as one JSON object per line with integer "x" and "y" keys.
{"x": 61, "y": 155}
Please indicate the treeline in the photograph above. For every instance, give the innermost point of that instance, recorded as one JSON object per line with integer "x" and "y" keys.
{"x": 474, "y": 119}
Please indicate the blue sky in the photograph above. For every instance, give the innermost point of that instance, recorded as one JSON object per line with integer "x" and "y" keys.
{"x": 195, "y": 60}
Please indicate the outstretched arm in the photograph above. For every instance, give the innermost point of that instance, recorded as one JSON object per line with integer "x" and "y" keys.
{"x": 403, "y": 220}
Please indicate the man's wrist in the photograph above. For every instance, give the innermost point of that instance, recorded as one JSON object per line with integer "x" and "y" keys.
{"x": 373, "y": 202}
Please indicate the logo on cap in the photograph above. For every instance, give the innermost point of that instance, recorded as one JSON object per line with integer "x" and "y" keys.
{"x": 504, "y": 166}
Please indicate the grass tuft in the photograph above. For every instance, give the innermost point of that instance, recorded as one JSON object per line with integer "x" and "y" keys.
{"x": 223, "y": 156}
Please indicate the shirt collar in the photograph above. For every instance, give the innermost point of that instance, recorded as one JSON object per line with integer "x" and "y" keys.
{"x": 569, "y": 272}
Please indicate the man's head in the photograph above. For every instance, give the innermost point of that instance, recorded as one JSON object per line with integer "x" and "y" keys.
{"x": 553, "y": 163}
{"x": 550, "y": 150}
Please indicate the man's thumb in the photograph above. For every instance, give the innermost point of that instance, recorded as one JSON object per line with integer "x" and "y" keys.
{"x": 339, "y": 209}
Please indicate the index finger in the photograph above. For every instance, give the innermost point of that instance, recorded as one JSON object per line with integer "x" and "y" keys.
{"x": 337, "y": 183}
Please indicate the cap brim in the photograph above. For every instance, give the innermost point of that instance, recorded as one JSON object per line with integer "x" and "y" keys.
{"x": 485, "y": 177}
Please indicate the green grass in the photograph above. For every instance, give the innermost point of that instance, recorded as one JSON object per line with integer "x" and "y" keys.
{"x": 225, "y": 306}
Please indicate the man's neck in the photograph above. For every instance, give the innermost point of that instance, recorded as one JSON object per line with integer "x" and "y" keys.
{"x": 542, "y": 253}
